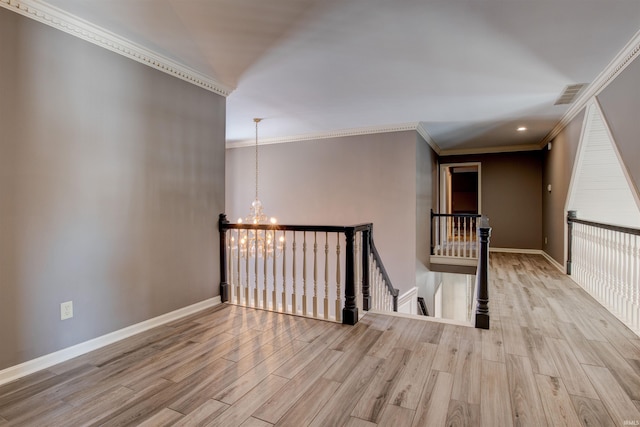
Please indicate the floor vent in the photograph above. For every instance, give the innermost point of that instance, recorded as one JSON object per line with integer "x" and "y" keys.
{"x": 570, "y": 93}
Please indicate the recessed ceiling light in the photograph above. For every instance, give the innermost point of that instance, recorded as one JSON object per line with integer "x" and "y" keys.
{"x": 521, "y": 129}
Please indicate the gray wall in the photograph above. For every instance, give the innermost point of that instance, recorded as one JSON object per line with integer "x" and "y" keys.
{"x": 511, "y": 196}
{"x": 111, "y": 180}
{"x": 426, "y": 199}
{"x": 620, "y": 103}
{"x": 338, "y": 181}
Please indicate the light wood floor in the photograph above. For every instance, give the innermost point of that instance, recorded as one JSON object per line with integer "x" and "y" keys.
{"x": 553, "y": 357}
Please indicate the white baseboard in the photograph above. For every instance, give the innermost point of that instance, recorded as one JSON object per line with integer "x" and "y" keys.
{"x": 553, "y": 262}
{"x": 14, "y": 372}
{"x": 408, "y": 302}
{"x": 516, "y": 251}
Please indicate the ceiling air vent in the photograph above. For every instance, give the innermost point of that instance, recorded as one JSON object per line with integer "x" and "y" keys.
{"x": 570, "y": 93}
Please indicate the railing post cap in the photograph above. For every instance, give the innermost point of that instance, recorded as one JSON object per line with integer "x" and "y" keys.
{"x": 484, "y": 221}
{"x": 572, "y": 214}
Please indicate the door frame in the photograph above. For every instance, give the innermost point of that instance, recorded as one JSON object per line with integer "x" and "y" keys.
{"x": 445, "y": 185}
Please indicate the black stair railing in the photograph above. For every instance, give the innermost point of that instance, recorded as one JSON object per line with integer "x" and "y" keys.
{"x": 454, "y": 235}
{"x": 267, "y": 266}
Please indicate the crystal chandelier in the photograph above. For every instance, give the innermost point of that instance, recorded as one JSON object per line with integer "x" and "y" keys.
{"x": 255, "y": 242}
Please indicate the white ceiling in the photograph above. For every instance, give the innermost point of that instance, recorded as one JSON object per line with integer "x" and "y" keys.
{"x": 470, "y": 71}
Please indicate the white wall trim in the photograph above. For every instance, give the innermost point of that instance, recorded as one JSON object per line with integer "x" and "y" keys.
{"x": 408, "y": 302}
{"x": 14, "y": 372}
{"x": 422, "y": 131}
{"x": 553, "y": 262}
{"x": 56, "y": 18}
{"x": 516, "y": 250}
{"x": 370, "y": 130}
{"x": 615, "y": 67}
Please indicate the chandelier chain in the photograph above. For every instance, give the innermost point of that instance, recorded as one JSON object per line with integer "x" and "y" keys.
{"x": 256, "y": 120}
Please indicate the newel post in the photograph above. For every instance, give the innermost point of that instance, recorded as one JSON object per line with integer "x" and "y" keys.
{"x": 350, "y": 310}
{"x": 571, "y": 215}
{"x": 224, "y": 286}
{"x": 366, "y": 294}
{"x": 482, "y": 275}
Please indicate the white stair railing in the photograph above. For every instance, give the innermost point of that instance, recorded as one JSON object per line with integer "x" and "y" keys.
{"x": 265, "y": 266}
{"x": 605, "y": 260}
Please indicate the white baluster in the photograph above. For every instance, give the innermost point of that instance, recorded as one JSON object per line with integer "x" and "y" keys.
{"x": 274, "y": 293}
{"x": 326, "y": 276}
{"x": 627, "y": 274}
{"x": 315, "y": 274}
{"x": 246, "y": 273}
{"x": 438, "y": 236}
{"x": 284, "y": 272}
{"x": 304, "y": 274}
{"x": 265, "y": 272}
{"x": 239, "y": 282}
{"x": 294, "y": 308}
{"x": 449, "y": 232}
{"x": 255, "y": 270}
{"x": 457, "y": 237}
{"x": 465, "y": 253}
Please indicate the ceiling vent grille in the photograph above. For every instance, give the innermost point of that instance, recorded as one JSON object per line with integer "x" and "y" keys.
{"x": 570, "y": 93}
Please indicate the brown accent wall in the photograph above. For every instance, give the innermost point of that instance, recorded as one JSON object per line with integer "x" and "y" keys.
{"x": 511, "y": 196}
{"x": 111, "y": 180}
{"x": 557, "y": 169}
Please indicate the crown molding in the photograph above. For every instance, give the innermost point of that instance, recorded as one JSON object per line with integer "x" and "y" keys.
{"x": 70, "y": 24}
{"x": 327, "y": 135}
{"x": 625, "y": 57}
{"x": 415, "y": 126}
{"x": 422, "y": 131}
{"x": 491, "y": 150}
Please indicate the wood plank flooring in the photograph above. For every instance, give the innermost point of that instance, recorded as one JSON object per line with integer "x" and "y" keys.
{"x": 553, "y": 356}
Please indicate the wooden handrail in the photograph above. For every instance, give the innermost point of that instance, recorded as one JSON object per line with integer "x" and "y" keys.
{"x": 433, "y": 215}
{"x": 611, "y": 227}
{"x": 572, "y": 218}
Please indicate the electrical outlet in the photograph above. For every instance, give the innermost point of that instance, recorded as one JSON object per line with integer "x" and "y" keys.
{"x": 66, "y": 310}
{"x": 545, "y": 240}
